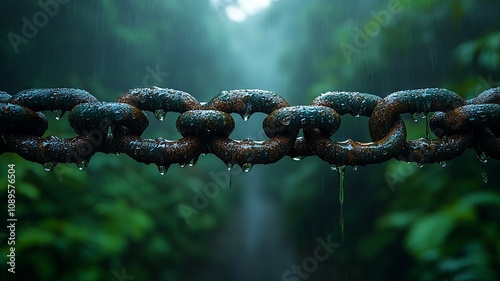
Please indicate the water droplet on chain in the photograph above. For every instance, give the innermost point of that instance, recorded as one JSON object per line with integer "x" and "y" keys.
{"x": 58, "y": 114}
{"x": 414, "y": 116}
{"x": 247, "y": 167}
{"x": 483, "y": 158}
{"x": 286, "y": 121}
{"x": 49, "y": 166}
{"x": 160, "y": 114}
{"x": 110, "y": 132}
{"x": 193, "y": 162}
{"x": 162, "y": 169}
{"x": 83, "y": 165}
{"x": 245, "y": 116}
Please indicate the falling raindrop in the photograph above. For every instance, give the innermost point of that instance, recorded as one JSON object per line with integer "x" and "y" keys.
{"x": 49, "y": 166}
{"x": 83, "y": 165}
{"x": 160, "y": 114}
{"x": 247, "y": 167}
{"x": 162, "y": 169}
{"x": 484, "y": 175}
{"x": 341, "y": 171}
{"x": 58, "y": 113}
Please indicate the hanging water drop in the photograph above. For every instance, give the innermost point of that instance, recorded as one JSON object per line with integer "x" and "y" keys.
{"x": 334, "y": 167}
{"x": 298, "y": 158}
{"x": 183, "y": 165}
{"x": 355, "y": 167}
{"x": 245, "y": 116}
{"x": 229, "y": 166}
{"x": 58, "y": 114}
{"x": 162, "y": 169}
{"x": 83, "y": 165}
{"x": 443, "y": 163}
{"x": 49, "y": 166}
{"x": 110, "y": 132}
{"x": 420, "y": 164}
{"x": 341, "y": 171}
{"x": 160, "y": 114}
{"x": 247, "y": 167}
{"x": 483, "y": 158}
{"x": 193, "y": 162}
{"x": 414, "y": 116}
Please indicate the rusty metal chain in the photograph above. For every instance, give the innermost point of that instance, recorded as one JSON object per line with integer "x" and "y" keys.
{"x": 116, "y": 127}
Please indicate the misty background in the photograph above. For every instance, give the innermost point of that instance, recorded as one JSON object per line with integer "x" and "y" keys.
{"x": 402, "y": 222}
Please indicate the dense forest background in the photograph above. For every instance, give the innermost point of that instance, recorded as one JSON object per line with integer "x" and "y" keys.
{"x": 120, "y": 220}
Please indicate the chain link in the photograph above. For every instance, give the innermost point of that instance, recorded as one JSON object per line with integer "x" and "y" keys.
{"x": 116, "y": 127}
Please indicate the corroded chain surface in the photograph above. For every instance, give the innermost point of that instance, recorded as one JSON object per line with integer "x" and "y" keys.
{"x": 116, "y": 127}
